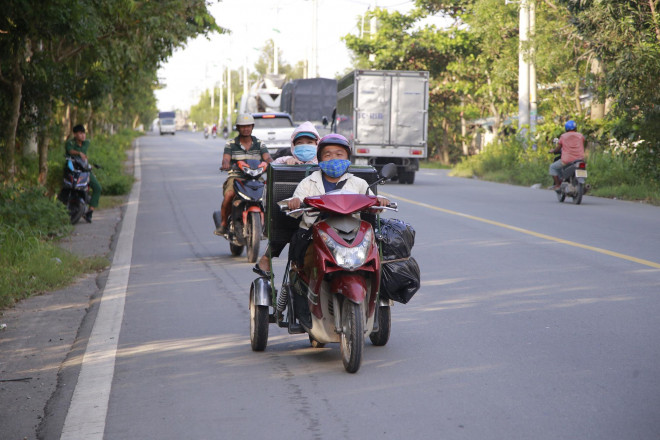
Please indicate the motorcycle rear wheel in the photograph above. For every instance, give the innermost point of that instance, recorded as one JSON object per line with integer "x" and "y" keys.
{"x": 577, "y": 199}
{"x": 254, "y": 236}
{"x": 258, "y": 325}
{"x": 384, "y": 316}
{"x": 352, "y": 335}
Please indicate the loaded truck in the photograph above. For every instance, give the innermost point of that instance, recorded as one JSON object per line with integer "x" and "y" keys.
{"x": 166, "y": 123}
{"x": 311, "y": 99}
{"x": 384, "y": 115}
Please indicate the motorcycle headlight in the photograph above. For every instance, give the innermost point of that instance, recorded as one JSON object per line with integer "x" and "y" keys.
{"x": 243, "y": 196}
{"x": 349, "y": 258}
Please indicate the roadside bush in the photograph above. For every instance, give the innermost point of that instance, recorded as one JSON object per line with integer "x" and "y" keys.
{"x": 30, "y": 208}
{"x": 28, "y": 264}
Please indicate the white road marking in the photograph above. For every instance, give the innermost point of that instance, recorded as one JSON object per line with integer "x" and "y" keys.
{"x": 85, "y": 419}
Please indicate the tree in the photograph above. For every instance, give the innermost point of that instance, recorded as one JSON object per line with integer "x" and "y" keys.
{"x": 95, "y": 56}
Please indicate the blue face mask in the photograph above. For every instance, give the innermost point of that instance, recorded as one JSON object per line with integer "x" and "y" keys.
{"x": 305, "y": 152}
{"x": 335, "y": 167}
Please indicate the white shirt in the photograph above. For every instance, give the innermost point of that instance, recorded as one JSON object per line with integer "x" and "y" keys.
{"x": 312, "y": 185}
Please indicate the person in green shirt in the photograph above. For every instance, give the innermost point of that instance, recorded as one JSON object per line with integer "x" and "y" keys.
{"x": 78, "y": 146}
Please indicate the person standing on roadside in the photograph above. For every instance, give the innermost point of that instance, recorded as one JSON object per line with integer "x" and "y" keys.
{"x": 78, "y": 146}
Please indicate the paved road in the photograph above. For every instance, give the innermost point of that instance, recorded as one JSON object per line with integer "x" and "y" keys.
{"x": 535, "y": 321}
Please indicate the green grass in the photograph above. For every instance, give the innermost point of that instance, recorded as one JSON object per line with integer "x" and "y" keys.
{"x": 433, "y": 165}
{"x": 31, "y": 264}
{"x": 610, "y": 175}
{"x": 32, "y": 221}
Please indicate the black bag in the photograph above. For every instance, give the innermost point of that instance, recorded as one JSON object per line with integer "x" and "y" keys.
{"x": 398, "y": 238}
{"x": 400, "y": 279}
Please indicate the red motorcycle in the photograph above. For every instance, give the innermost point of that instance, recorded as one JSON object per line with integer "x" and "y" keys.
{"x": 335, "y": 296}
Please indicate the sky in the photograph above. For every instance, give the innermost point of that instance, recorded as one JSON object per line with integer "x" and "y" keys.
{"x": 194, "y": 68}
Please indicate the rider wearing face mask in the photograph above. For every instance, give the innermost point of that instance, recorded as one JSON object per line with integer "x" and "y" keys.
{"x": 303, "y": 146}
{"x": 303, "y": 152}
{"x": 333, "y": 154}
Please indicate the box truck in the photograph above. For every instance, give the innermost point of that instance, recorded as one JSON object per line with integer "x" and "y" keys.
{"x": 166, "y": 123}
{"x": 384, "y": 115}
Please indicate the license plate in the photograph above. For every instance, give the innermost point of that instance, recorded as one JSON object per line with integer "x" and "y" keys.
{"x": 580, "y": 173}
{"x": 361, "y": 161}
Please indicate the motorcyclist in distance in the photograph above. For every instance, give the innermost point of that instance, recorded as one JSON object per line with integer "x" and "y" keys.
{"x": 243, "y": 147}
{"x": 571, "y": 146}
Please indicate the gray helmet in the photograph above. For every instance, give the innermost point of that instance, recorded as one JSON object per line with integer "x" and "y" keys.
{"x": 245, "y": 119}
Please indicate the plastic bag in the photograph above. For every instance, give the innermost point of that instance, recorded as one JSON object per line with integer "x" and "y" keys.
{"x": 400, "y": 280}
{"x": 398, "y": 238}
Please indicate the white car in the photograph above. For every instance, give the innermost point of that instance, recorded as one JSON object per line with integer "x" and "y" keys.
{"x": 273, "y": 129}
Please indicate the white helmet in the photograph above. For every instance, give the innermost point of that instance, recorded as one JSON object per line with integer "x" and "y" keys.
{"x": 245, "y": 119}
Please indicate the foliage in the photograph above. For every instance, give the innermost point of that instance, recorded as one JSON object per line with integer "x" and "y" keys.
{"x": 86, "y": 61}
{"x": 29, "y": 264}
{"x": 29, "y": 208}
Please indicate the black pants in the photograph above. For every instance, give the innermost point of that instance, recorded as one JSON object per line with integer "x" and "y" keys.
{"x": 299, "y": 244}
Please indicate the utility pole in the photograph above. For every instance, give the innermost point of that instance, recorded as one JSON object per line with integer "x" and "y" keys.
{"x": 532, "y": 70}
{"x": 220, "y": 96}
{"x": 523, "y": 68}
{"x": 229, "y": 106}
{"x": 315, "y": 38}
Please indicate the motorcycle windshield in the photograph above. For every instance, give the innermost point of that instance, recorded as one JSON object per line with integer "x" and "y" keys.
{"x": 341, "y": 202}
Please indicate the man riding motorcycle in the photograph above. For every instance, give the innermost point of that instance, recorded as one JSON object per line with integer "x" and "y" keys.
{"x": 333, "y": 154}
{"x": 571, "y": 146}
{"x": 243, "y": 147}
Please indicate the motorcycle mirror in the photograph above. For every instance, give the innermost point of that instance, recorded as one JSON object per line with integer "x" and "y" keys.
{"x": 388, "y": 171}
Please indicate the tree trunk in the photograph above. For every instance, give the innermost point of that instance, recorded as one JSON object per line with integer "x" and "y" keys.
{"x": 597, "y": 107}
{"x": 578, "y": 104}
{"x": 445, "y": 142}
{"x": 44, "y": 142}
{"x": 14, "y": 114}
{"x": 655, "y": 19}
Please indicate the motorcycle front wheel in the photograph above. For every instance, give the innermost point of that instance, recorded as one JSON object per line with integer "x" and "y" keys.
{"x": 254, "y": 236}
{"x": 76, "y": 210}
{"x": 235, "y": 249}
{"x": 258, "y": 325}
{"x": 382, "y": 335}
{"x": 352, "y": 335}
{"x": 561, "y": 196}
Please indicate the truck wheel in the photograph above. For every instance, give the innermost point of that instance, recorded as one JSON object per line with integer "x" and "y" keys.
{"x": 406, "y": 177}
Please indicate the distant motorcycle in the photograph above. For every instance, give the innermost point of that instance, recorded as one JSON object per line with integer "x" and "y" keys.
{"x": 573, "y": 181}
{"x": 206, "y": 132}
{"x": 245, "y": 228}
{"x": 75, "y": 188}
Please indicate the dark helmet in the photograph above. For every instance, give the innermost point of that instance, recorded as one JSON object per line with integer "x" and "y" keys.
{"x": 332, "y": 139}
{"x": 79, "y": 128}
{"x": 570, "y": 125}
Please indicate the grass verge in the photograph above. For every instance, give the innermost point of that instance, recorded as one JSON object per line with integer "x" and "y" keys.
{"x": 31, "y": 264}
{"x": 610, "y": 175}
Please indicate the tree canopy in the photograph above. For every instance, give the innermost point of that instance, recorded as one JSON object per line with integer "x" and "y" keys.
{"x": 85, "y": 60}
{"x": 595, "y": 60}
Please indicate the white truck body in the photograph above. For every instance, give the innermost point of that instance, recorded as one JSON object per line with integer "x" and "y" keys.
{"x": 167, "y": 123}
{"x": 384, "y": 114}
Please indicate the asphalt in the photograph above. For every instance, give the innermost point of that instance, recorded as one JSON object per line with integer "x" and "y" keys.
{"x": 43, "y": 336}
